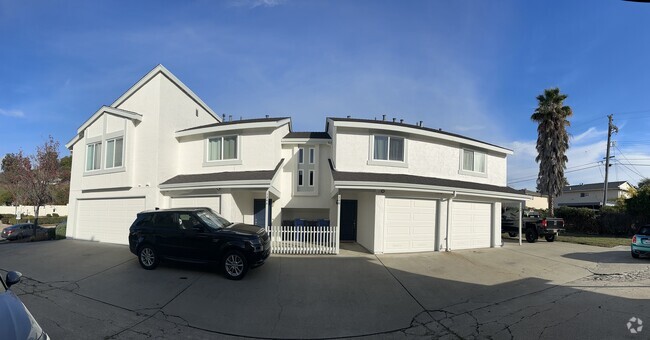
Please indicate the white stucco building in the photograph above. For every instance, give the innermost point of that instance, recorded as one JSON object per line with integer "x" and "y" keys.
{"x": 389, "y": 186}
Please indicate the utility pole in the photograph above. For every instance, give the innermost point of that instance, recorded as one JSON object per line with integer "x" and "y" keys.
{"x": 611, "y": 128}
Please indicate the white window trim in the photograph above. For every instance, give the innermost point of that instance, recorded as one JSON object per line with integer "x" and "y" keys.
{"x": 94, "y": 143}
{"x": 461, "y": 171}
{"x": 219, "y": 162}
{"x": 301, "y": 175}
{"x": 312, "y": 155}
{"x": 103, "y": 138}
{"x": 301, "y": 155}
{"x": 382, "y": 162}
{"x": 311, "y": 179}
{"x": 106, "y": 153}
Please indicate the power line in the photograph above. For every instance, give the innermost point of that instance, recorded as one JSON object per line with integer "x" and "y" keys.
{"x": 566, "y": 172}
{"x": 569, "y": 168}
{"x": 621, "y": 153}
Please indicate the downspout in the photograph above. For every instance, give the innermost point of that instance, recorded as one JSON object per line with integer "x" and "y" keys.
{"x": 338, "y": 223}
{"x": 266, "y": 211}
{"x": 449, "y": 201}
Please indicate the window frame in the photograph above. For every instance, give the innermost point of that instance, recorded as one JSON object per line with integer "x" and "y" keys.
{"x": 473, "y": 171}
{"x": 388, "y": 162}
{"x": 301, "y": 178}
{"x": 222, "y": 160}
{"x": 301, "y": 155}
{"x": 311, "y": 180}
{"x": 312, "y": 155}
{"x": 114, "y": 140}
{"x": 94, "y": 145}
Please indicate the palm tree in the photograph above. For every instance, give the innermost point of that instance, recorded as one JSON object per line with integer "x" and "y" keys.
{"x": 552, "y": 143}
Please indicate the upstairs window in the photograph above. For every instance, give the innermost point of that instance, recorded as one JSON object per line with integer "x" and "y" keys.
{"x": 388, "y": 148}
{"x": 301, "y": 155}
{"x": 222, "y": 148}
{"x": 114, "y": 153}
{"x": 312, "y": 155}
{"x": 473, "y": 161}
{"x": 94, "y": 156}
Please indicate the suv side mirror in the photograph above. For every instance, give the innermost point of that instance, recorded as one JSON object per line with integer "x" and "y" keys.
{"x": 13, "y": 278}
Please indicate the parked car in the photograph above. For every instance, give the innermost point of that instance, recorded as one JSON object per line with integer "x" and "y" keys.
{"x": 198, "y": 235}
{"x": 16, "y": 322}
{"x": 533, "y": 225}
{"x": 25, "y": 230}
{"x": 641, "y": 242}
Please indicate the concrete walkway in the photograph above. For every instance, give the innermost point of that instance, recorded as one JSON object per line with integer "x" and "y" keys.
{"x": 78, "y": 289}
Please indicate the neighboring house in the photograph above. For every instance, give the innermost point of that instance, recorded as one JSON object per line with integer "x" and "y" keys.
{"x": 591, "y": 195}
{"x": 389, "y": 186}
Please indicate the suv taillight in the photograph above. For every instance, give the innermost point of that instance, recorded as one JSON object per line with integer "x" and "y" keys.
{"x": 634, "y": 239}
{"x": 544, "y": 223}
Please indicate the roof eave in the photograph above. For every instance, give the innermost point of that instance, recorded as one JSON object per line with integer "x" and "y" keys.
{"x": 230, "y": 127}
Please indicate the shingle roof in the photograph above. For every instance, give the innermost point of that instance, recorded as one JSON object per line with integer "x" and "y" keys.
{"x": 224, "y": 176}
{"x": 391, "y": 123}
{"x": 592, "y": 186}
{"x": 316, "y": 135}
{"x": 242, "y": 121}
{"x": 421, "y": 180}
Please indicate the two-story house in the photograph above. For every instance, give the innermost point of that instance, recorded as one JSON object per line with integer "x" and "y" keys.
{"x": 387, "y": 185}
{"x": 591, "y": 195}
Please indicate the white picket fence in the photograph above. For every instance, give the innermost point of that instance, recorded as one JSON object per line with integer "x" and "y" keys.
{"x": 309, "y": 240}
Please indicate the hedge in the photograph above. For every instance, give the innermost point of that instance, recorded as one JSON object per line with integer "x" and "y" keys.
{"x": 11, "y": 219}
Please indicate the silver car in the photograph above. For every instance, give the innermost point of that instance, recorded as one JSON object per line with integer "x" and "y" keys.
{"x": 16, "y": 322}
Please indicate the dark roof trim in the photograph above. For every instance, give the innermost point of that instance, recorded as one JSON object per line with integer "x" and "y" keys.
{"x": 593, "y": 186}
{"x": 417, "y": 180}
{"x": 311, "y": 135}
{"x": 391, "y": 123}
{"x": 233, "y": 122}
{"x": 227, "y": 176}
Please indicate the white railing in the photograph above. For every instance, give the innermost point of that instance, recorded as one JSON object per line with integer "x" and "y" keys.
{"x": 310, "y": 240}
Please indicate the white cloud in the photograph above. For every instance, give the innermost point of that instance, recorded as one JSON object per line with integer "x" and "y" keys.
{"x": 257, "y": 3}
{"x": 12, "y": 113}
{"x": 586, "y": 161}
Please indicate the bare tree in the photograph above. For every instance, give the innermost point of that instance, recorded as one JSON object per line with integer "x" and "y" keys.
{"x": 31, "y": 179}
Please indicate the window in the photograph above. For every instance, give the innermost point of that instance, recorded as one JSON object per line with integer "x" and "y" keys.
{"x": 114, "y": 153}
{"x": 301, "y": 155}
{"x": 94, "y": 156}
{"x": 312, "y": 155}
{"x": 300, "y": 179}
{"x": 473, "y": 161}
{"x": 388, "y": 148}
{"x": 584, "y": 194}
{"x": 222, "y": 148}
{"x": 311, "y": 178}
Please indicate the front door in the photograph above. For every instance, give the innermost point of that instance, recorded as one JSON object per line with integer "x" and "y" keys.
{"x": 348, "y": 220}
{"x": 258, "y": 212}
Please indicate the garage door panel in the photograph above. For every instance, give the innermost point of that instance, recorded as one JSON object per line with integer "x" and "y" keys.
{"x": 107, "y": 220}
{"x": 471, "y": 225}
{"x": 409, "y": 225}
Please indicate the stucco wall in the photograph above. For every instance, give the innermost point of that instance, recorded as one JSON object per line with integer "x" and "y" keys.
{"x": 424, "y": 157}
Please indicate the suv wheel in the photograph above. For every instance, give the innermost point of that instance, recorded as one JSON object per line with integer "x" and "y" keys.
{"x": 235, "y": 265}
{"x": 147, "y": 257}
{"x": 550, "y": 238}
{"x": 531, "y": 235}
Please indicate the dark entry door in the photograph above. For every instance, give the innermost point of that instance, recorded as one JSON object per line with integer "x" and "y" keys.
{"x": 348, "y": 220}
{"x": 258, "y": 212}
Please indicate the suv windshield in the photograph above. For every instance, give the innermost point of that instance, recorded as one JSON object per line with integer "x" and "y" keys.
{"x": 212, "y": 219}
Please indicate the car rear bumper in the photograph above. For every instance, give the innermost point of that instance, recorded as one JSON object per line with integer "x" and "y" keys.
{"x": 640, "y": 249}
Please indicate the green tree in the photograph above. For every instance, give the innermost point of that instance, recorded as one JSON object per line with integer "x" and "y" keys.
{"x": 552, "y": 143}
{"x": 644, "y": 182}
{"x": 638, "y": 206}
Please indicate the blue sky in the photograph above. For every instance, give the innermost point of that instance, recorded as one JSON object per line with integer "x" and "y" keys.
{"x": 469, "y": 67}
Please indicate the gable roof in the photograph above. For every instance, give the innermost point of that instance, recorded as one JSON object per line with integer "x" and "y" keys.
{"x": 401, "y": 181}
{"x": 226, "y": 178}
{"x": 165, "y": 72}
{"x": 594, "y": 186}
{"x": 104, "y": 109}
{"x": 438, "y": 133}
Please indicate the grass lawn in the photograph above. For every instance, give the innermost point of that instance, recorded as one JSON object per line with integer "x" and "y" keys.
{"x": 595, "y": 240}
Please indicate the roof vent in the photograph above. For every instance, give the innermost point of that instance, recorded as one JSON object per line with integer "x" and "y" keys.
{"x": 224, "y": 117}
{"x": 230, "y": 118}
{"x": 401, "y": 121}
{"x": 420, "y": 123}
{"x": 348, "y": 116}
{"x": 394, "y": 119}
{"x": 383, "y": 117}
{"x": 267, "y": 116}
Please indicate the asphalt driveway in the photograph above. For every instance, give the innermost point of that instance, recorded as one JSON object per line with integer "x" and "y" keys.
{"x": 79, "y": 289}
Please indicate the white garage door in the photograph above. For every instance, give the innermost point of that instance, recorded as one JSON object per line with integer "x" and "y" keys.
{"x": 471, "y": 225}
{"x": 213, "y": 202}
{"x": 409, "y": 225}
{"x": 107, "y": 220}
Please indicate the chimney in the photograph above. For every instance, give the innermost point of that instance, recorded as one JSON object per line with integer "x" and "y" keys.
{"x": 383, "y": 117}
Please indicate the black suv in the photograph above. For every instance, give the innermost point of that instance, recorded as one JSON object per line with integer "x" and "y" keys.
{"x": 198, "y": 235}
